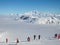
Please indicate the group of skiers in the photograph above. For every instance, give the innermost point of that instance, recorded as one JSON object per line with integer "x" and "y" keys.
{"x": 17, "y": 40}
{"x": 28, "y": 38}
{"x": 35, "y": 37}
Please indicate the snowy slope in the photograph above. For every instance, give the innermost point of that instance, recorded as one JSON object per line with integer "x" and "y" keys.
{"x": 22, "y": 31}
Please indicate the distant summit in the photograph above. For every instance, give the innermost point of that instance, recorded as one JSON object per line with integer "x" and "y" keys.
{"x": 37, "y": 17}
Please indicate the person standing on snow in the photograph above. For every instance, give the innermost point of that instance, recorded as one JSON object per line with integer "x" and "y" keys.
{"x": 38, "y": 36}
{"x": 55, "y": 36}
{"x": 28, "y": 39}
{"x": 17, "y": 40}
{"x": 58, "y": 36}
{"x": 34, "y": 37}
{"x": 6, "y": 40}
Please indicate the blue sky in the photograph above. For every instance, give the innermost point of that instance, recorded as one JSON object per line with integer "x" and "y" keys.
{"x": 21, "y": 6}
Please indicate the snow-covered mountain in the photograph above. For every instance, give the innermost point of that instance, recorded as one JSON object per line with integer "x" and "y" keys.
{"x": 37, "y": 17}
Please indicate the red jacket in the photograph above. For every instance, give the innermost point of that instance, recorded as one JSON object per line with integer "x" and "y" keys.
{"x": 58, "y": 36}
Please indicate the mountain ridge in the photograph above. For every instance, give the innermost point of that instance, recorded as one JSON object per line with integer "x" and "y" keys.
{"x": 38, "y": 18}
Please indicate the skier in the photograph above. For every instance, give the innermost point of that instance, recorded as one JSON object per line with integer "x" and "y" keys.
{"x": 17, "y": 40}
{"x": 55, "y": 36}
{"x": 28, "y": 39}
{"x": 58, "y": 36}
{"x": 34, "y": 37}
{"x": 38, "y": 36}
{"x": 6, "y": 40}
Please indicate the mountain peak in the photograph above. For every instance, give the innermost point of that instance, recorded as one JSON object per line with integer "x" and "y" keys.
{"x": 38, "y": 18}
